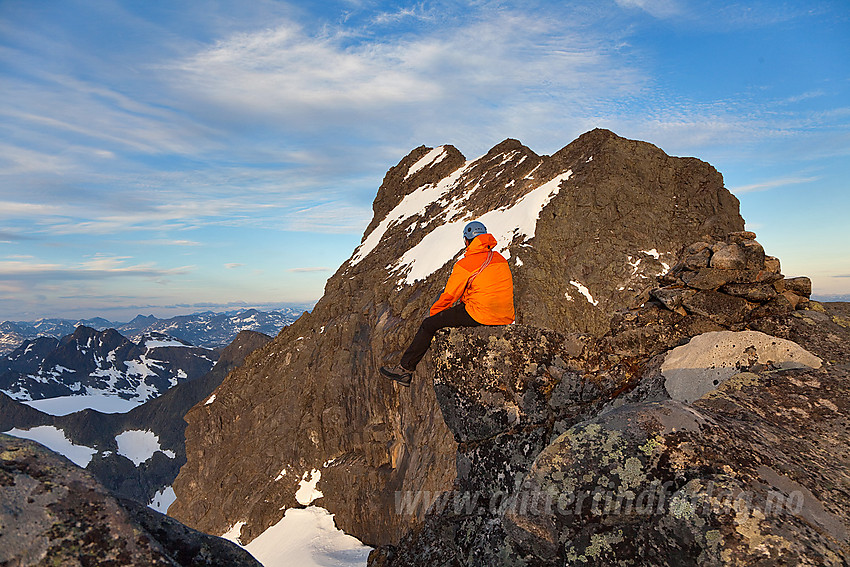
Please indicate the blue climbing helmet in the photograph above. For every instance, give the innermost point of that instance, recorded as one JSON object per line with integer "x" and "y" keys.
{"x": 473, "y": 229}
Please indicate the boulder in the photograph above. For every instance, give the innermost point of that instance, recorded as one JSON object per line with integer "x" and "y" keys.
{"x": 772, "y": 264}
{"x": 799, "y": 285}
{"x": 776, "y": 307}
{"x": 671, "y": 297}
{"x": 710, "y": 278}
{"x": 506, "y": 376}
{"x": 698, "y": 247}
{"x": 758, "y": 292}
{"x": 55, "y": 513}
{"x": 729, "y": 257}
{"x": 796, "y": 301}
{"x": 706, "y": 361}
{"x": 719, "y": 307}
{"x": 753, "y": 254}
{"x": 741, "y": 236}
{"x": 698, "y": 260}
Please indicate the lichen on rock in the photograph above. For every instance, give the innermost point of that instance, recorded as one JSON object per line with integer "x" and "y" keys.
{"x": 605, "y": 455}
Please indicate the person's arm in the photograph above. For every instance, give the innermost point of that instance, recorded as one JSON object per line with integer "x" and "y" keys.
{"x": 454, "y": 289}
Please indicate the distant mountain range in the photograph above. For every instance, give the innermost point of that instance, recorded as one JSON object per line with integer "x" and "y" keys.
{"x": 136, "y": 454}
{"x": 205, "y": 329}
{"x": 89, "y": 362}
{"x": 831, "y": 298}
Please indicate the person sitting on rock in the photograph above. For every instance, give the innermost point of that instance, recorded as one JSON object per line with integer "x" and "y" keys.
{"x": 482, "y": 285}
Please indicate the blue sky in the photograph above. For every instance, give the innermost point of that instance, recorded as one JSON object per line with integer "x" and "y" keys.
{"x": 166, "y": 157}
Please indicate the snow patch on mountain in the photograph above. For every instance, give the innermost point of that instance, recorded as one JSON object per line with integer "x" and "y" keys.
{"x": 432, "y": 158}
{"x": 582, "y": 289}
{"x": 164, "y": 342}
{"x": 163, "y": 499}
{"x": 305, "y": 537}
{"x": 410, "y": 205}
{"x": 139, "y": 446}
{"x": 513, "y": 224}
{"x": 307, "y": 491}
{"x": 64, "y": 405}
{"x": 56, "y": 440}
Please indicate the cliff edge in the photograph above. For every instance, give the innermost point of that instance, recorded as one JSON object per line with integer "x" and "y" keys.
{"x": 694, "y": 432}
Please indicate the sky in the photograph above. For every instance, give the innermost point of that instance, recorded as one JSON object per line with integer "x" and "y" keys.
{"x": 169, "y": 157}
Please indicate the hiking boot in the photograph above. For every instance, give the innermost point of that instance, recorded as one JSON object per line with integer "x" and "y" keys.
{"x": 398, "y": 373}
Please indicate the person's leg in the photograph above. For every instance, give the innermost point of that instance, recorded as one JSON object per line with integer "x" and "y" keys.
{"x": 452, "y": 317}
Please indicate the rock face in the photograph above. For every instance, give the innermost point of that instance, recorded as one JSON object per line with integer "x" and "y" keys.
{"x": 55, "y": 513}
{"x": 571, "y": 450}
{"x": 586, "y": 230}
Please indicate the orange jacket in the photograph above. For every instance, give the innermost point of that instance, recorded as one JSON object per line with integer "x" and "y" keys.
{"x": 481, "y": 280}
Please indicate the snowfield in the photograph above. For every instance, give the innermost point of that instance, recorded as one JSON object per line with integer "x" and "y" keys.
{"x": 163, "y": 499}
{"x": 55, "y": 440}
{"x": 65, "y": 405}
{"x": 139, "y": 446}
{"x": 304, "y": 537}
{"x": 516, "y": 223}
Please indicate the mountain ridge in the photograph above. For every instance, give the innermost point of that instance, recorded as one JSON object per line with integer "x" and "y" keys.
{"x": 586, "y": 231}
{"x": 209, "y": 329}
{"x": 93, "y": 362}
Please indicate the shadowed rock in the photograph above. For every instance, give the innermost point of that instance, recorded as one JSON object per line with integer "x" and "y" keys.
{"x": 54, "y": 513}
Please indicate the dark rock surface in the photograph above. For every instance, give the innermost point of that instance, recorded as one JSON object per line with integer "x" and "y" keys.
{"x": 54, "y": 513}
{"x": 612, "y": 216}
{"x": 572, "y": 452}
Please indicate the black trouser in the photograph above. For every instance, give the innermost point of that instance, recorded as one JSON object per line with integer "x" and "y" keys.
{"x": 452, "y": 317}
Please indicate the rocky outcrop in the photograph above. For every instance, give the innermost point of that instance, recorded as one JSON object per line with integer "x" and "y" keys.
{"x": 730, "y": 282}
{"x": 586, "y": 230}
{"x": 55, "y": 513}
{"x": 745, "y": 476}
{"x": 669, "y": 441}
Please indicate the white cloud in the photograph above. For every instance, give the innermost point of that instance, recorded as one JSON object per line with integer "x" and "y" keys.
{"x": 656, "y": 8}
{"x": 283, "y": 71}
{"x": 169, "y": 242}
{"x": 416, "y": 12}
{"x": 330, "y": 218}
{"x": 97, "y": 268}
{"x": 305, "y": 270}
{"x": 318, "y": 80}
{"x": 772, "y": 184}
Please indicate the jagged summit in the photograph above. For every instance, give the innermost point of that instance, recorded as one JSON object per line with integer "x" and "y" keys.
{"x": 587, "y": 232}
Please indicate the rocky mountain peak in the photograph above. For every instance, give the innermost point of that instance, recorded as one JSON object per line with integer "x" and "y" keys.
{"x": 245, "y": 342}
{"x": 703, "y": 410}
{"x": 586, "y": 232}
{"x": 94, "y": 362}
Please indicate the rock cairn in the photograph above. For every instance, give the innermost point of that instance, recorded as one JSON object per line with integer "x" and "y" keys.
{"x": 731, "y": 282}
